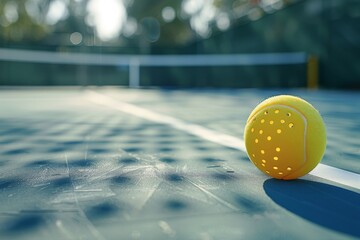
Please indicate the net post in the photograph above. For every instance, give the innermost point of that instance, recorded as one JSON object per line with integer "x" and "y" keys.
{"x": 313, "y": 72}
{"x": 134, "y": 73}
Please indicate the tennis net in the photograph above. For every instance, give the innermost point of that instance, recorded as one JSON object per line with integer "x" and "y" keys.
{"x": 295, "y": 69}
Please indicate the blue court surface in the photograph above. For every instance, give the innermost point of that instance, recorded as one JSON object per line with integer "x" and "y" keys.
{"x": 118, "y": 163}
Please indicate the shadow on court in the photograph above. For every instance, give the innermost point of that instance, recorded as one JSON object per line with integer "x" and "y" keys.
{"x": 23, "y": 224}
{"x": 329, "y": 206}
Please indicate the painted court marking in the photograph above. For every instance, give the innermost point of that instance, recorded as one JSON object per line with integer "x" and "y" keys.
{"x": 323, "y": 171}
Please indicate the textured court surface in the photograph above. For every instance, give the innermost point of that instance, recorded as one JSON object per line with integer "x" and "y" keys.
{"x": 72, "y": 169}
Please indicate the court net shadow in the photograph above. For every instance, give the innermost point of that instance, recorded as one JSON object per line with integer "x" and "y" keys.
{"x": 326, "y": 205}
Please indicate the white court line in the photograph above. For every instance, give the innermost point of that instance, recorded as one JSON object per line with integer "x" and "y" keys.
{"x": 323, "y": 171}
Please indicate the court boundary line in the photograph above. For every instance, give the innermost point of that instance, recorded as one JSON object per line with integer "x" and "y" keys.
{"x": 322, "y": 170}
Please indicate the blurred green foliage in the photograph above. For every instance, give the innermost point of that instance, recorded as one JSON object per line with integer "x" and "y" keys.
{"x": 49, "y": 23}
{"x": 17, "y": 25}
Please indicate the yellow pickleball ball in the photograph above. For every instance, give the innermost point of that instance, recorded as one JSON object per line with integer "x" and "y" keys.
{"x": 285, "y": 137}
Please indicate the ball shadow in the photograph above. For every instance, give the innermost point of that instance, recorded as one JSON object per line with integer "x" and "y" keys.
{"x": 326, "y": 205}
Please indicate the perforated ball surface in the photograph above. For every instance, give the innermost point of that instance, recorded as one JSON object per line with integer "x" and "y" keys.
{"x": 285, "y": 137}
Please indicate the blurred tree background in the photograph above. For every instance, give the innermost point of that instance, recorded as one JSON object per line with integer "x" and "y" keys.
{"x": 124, "y": 23}
{"x": 328, "y": 29}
